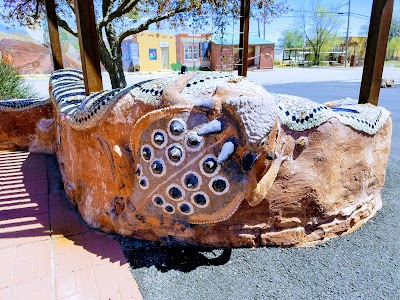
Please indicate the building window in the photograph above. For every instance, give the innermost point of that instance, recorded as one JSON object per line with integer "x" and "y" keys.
{"x": 191, "y": 52}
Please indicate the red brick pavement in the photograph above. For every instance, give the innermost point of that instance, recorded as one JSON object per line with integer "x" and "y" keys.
{"x": 46, "y": 250}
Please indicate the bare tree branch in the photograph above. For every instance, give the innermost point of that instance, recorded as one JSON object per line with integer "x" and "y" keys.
{"x": 63, "y": 24}
{"x": 123, "y": 8}
{"x": 146, "y": 24}
{"x": 20, "y": 6}
{"x": 106, "y": 7}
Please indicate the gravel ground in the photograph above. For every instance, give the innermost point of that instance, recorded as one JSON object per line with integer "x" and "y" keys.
{"x": 362, "y": 265}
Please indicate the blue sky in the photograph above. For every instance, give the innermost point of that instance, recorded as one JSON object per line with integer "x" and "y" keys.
{"x": 360, "y": 12}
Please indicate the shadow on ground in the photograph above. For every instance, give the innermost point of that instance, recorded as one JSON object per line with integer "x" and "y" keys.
{"x": 145, "y": 254}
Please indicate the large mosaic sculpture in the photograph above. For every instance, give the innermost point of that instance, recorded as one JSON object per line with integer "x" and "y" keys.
{"x": 210, "y": 159}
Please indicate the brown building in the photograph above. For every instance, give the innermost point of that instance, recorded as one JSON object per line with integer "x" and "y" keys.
{"x": 193, "y": 51}
{"x": 225, "y": 52}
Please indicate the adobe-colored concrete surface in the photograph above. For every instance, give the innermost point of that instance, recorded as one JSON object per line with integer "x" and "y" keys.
{"x": 46, "y": 250}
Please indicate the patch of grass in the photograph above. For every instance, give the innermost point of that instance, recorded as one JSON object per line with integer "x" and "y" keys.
{"x": 12, "y": 85}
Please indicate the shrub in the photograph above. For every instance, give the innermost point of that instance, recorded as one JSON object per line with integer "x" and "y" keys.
{"x": 12, "y": 86}
{"x": 176, "y": 66}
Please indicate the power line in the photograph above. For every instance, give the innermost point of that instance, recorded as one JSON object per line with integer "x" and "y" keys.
{"x": 353, "y": 13}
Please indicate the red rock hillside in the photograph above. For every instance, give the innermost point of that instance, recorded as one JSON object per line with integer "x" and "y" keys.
{"x": 30, "y": 58}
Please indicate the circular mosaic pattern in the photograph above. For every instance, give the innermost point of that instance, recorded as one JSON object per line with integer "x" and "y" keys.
{"x": 144, "y": 182}
{"x": 219, "y": 185}
{"x": 193, "y": 142}
{"x": 200, "y": 199}
{"x": 158, "y": 200}
{"x": 169, "y": 209}
{"x": 159, "y": 138}
{"x": 176, "y": 129}
{"x": 157, "y": 167}
{"x": 192, "y": 185}
{"x": 139, "y": 171}
{"x": 147, "y": 152}
{"x": 208, "y": 166}
{"x": 191, "y": 181}
{"x": 175, "y": 192}
{"x": 175, "y": 154}
{"x": 185, "y": 208}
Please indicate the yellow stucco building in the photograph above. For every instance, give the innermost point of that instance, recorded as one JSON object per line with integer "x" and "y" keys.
{"x": 157, "y": 51}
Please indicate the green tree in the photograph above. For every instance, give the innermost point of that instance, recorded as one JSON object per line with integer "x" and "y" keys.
{"x": 394, "y": 35}
{"x": 364, "y": 30}
{"x": 119, "y": 19}
{"x": 12, "y": 86}
{"x": 393, "y": 48}
{"x": 319, "y": 23}
{"x": 395, "y": 26}
{"x": 292, "y": 38}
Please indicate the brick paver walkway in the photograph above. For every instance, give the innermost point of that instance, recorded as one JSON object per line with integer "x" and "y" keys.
{"x": 46, "y": 250}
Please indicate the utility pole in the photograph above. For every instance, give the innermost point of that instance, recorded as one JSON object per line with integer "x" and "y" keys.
{"x": 347, "y": 37}
{"x": 244, "y": 37}
{"x": 265, "y": 20}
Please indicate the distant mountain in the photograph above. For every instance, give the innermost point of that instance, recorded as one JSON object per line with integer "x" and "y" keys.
{"x": 18, "y": 34}
{"x": 31, "y": 58}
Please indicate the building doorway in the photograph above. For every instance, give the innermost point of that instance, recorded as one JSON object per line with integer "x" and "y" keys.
{"x": 164, "y": 58}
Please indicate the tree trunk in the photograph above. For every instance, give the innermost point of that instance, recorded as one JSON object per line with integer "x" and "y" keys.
{"x": 315, "y": 59}
{"x": 111, "y": 58}
{"x": 114, "y": 66}
{"x": 117, "y": 77}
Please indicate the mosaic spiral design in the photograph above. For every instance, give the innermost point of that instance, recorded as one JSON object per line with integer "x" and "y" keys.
{"x": 178, "y": 173}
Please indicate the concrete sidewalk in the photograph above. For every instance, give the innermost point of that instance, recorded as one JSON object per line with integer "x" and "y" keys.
{"x": 46, "y": 250}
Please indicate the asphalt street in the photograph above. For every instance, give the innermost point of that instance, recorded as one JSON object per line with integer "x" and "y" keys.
{"x": 362, "y": 265}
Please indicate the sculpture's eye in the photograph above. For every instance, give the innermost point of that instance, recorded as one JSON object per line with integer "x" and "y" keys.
{"x": 175, "y": 154}
{"x": 139, "y": 171}
{"x": 175, "y": 193}
{"x": 159, "y": 138}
